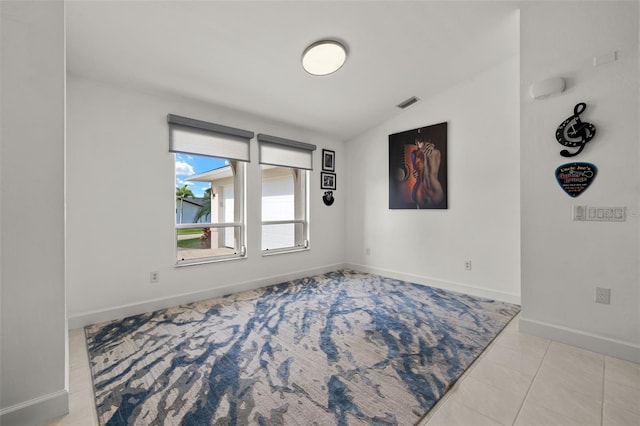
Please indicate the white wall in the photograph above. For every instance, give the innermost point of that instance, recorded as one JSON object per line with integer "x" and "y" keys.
{"x": 563, "y": 261}
{"x": 117, "y": 154}
{"x": 33, "y": 386}
{"x": 482, "y": 221}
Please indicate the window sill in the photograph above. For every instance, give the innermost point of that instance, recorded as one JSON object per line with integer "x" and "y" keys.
{"x": 274, "y": 252}
{"x": 208, "y": 260}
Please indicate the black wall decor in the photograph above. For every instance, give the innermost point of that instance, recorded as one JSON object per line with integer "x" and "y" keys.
{"x": 328, "y": 198}
{"x": 573, "y": 132}
{"x": 575, "y": 178}
{"x": 328, "y": 160}
{"x": 327, "y": 178}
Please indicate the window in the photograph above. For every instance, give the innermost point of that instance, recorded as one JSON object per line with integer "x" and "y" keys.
{"x": 285, "y": 188}
{"x": 210, "y": 190}
{"x": 284, "y": 218}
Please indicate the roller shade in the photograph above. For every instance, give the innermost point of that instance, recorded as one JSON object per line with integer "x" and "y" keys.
{"x": 203, "y": 138}
{"x": 285, "y": 152}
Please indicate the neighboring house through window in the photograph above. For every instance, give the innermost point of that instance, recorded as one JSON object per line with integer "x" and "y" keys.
{"x": 188, "y": 206}
{"x": 220, "y": 205}
{"x": 285, "y": 187}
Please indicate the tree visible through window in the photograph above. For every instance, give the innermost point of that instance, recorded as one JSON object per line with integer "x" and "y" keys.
{"x": 210, "y": 172}
{"x": 206, "y": 188}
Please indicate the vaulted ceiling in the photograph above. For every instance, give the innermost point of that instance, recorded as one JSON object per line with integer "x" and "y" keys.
{"x": 246, "y": 55}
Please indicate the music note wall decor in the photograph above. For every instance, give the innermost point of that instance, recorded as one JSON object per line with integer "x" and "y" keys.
{"x": 573, "y": 132}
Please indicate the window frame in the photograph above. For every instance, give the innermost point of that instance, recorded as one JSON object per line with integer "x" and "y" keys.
{"x": 293, "y": 155}
{"x": 195, "y": 137}
{"x": 240, "y": 179}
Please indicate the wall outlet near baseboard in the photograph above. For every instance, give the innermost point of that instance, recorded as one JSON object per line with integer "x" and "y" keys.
{"x": 154, "y": 277}
{"x": 603, "y": 295}
{"x": 467, "y": 265}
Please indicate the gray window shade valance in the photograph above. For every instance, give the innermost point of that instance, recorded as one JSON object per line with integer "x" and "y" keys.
{"x": 203, "y": 138}
{"x": 285, "y": 152}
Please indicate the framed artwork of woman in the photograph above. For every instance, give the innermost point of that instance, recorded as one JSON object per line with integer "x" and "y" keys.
{"x": 418, "y": 168}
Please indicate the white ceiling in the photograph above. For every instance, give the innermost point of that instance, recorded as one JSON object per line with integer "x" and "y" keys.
{"x": 246, "y": 55}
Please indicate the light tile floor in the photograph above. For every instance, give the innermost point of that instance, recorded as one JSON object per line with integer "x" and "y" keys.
{"x": 519, "y": 380}
{"x": 527, "y": 380}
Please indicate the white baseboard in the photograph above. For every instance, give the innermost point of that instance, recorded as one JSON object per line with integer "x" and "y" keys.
{"x": 592, "y": 342}
{"x": 37, "y": 410}
{"x": 123, "y": 311}
{"x": 434, "y": 282}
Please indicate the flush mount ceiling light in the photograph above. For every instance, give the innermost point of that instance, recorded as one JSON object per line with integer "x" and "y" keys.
{"x": 324, "y": 57}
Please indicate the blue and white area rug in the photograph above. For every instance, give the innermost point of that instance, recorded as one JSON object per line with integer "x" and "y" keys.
{"x": 339, "y": 348}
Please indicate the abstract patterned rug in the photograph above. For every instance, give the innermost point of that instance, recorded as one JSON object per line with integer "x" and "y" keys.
{"x": 340, "y": 348}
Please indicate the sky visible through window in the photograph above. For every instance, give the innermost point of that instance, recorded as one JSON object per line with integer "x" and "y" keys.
{"x": 189, "y": 165}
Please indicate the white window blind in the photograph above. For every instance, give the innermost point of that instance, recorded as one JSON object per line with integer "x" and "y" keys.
{"x": 203, "y": 138}
{"x": 285, "y": 152}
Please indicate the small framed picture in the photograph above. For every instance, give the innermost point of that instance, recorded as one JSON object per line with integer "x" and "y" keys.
{"x": 327, "y": 180}
{"x": 328, "y": 160}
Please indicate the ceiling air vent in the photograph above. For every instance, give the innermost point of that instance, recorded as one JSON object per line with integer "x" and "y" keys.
{"x": 405, "y": 104}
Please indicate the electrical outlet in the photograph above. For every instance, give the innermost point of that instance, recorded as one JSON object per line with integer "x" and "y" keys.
{"x": 467, "y": 265}
{"x": 603, "y": 295}
{"x": 154, "y": 277}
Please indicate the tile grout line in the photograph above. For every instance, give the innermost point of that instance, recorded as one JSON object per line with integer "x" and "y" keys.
{"x": 604, "y": 380}
{"x": 535, "y": 376}
{"x": 85, "y": 347}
